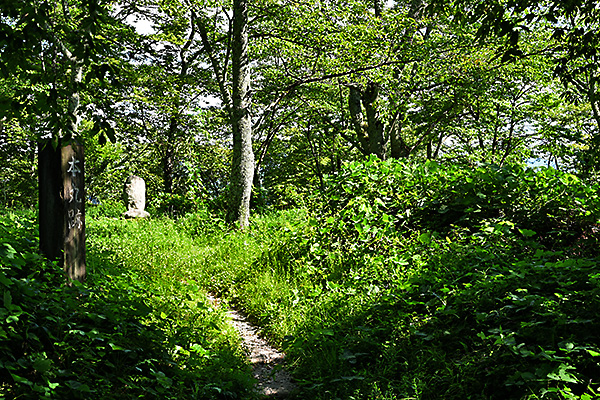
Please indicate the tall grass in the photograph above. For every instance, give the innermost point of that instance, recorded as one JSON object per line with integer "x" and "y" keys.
{"x": 432, "y": 282}
{"x": 155, "y": 258}
{"x": 409, "y": 283}
{"x": 177, "y": 264}
{"x": 138, "y": 328}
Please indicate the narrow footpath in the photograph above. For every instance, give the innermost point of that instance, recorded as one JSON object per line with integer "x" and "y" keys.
{"x": 268, "y": 368}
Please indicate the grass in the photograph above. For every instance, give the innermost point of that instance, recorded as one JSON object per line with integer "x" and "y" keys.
{"x": 139, "y": 327}
{"x": 499, "y": 303}
{"x": 484, "y": 313}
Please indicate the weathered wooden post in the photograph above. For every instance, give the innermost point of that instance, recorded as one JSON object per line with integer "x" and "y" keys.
{"x": 62, "y": 207}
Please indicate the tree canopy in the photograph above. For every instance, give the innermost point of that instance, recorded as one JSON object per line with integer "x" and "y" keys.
{"x": 329, "y": 82}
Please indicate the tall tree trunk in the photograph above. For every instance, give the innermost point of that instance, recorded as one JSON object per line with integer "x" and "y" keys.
{"x": 243, "y": 156}
{"x": 377, "y": 7}
{"x": 370, "y": 134}
{"x": 354, "y": 105}
{"x": 398, "y": 147}
{"x": 377, "y": 142}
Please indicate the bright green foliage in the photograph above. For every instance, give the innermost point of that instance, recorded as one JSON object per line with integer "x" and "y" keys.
{"x": 404, "y": 280}
{"x": 394, "y": 196}
{"x": 18, "y": 176}
{"x": 572, "y": 39}
{"x": 121, "y": 336}
{"x": 432, "y": 281}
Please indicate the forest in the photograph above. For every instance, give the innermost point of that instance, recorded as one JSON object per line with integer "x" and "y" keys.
{"x": 402, "y": 196}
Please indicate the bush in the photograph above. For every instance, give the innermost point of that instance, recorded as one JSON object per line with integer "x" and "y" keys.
{"x": 173, "y": 205}
{"x": 429, "y": 281}
{"x": 104, "y": 208}
{"x": 122, "y": 335}
{"x": 397, "y": 196}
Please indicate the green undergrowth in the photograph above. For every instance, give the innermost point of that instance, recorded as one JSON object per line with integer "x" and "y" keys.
{"x": 138, "y": 328}
{"x": 401, "y": 281}
{"x": 430, "y": 281}
{"x": 179, "y": 264}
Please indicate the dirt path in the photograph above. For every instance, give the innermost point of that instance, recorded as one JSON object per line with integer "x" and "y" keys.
{"x": 267, "y": 362}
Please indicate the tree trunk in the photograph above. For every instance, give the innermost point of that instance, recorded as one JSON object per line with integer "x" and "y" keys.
{"x": 374, "y": 124}
{"x": 377, "y": 7}
{"x": 243, "y": 156}
{"x": 354, "y": 105}
{"x": 370, "y": 134}
{"x": 398, "y": 147}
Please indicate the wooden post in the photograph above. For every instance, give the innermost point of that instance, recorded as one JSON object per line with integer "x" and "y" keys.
{"x": 62, "y": 207}
{"x": 74, "y": 204}
{"x": 51, "y": 213}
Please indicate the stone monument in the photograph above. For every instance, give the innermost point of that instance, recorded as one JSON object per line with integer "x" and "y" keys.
{"x": 135, "y": 198}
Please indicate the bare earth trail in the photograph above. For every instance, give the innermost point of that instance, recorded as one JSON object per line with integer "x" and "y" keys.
{"x": 274, "y": 381}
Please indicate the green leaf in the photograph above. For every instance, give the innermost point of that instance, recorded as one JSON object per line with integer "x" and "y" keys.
{"x": 359, "y": 227}
{"x": 527, "y": 232}
{"x": 7, "y": 251}
{"x": 4, "y": 280}
{"x": 425, "y": 238}
{"x": 562, "y": 374}
{"x": 115, "y": 346}
{"x": 42, "y": 365}
{"x": 12, "y": 318}
{"x": 20, "y": 379}
{"x": 7, "y": 300}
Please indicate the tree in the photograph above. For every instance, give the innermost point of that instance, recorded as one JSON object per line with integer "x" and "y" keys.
{"x": 170, "y": 85}
{"x": 51, "y": 47}
{"x": 572, "y": 41}
{"x": 236, "y": 103}
{"x": 242, "y": 174}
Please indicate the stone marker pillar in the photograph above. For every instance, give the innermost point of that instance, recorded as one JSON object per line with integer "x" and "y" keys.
{"x": 135, "y": 198}
{"x": 62, "y": 207}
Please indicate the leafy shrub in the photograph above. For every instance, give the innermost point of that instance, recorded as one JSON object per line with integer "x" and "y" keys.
{"x": 115, "y": 337}
{"x": 173, "y": 205}
{"x": 437, "y": 197}
{"x": 429, "y": 281}
{"x": 105, "y": 208}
